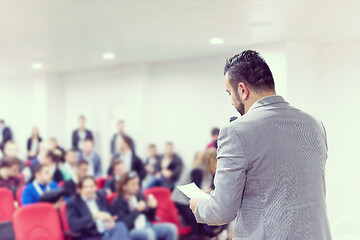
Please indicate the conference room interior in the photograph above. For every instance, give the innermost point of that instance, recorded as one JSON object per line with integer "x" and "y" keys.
{"x": 157, "y": 69}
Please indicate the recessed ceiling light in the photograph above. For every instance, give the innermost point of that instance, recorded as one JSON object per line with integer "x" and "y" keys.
{"x": 216, "y": 41}
{"x": 37, "y": 66}
{"x": 108, "y": 56}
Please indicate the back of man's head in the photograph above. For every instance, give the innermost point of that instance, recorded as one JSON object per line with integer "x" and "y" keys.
{"x": 251, "y": 69}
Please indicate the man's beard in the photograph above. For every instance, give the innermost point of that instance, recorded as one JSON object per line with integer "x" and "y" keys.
{"x": 239, "y": 107}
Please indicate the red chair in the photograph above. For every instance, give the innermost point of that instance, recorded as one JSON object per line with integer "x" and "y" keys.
{"x": 110, "y": 198}
{"x": 166, "y": 210}
{"x": 19, "y": 195}
{"x": 7, "y": 207}
{"x": 37, "y": 221}
{"x": 100, "y": 182}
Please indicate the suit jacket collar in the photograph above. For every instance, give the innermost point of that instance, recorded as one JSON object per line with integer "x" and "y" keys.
{"x": 269, "y": 100}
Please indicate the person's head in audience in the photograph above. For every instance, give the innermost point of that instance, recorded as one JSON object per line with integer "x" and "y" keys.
{"x": 126, "y": 145}
{"x": 71, "y": 157}
{"x": 215, "y": 134}
{"x": 53, "y": 144}
{"x": 87, "y": 187}
{"x": 169, "y": 149}
{"x": 128, "y": 185}
{"x": 43, "y": 174}
{"x": 209, "y": 160}
{"x": 10, "y": 149}
{"x": 121, "y": 127}
{"x": 88, "y": 147}
{"x": 82, "y": 169}
{"x": 35, "y": 133}
{"x": 10, "y": 167}
{"x": 119, "y": 168}
{"x": 152, "y": 151}
{"x": 2, "y": 123}
{"x": 48, "y": 158}
{"x": 82, "y": 121}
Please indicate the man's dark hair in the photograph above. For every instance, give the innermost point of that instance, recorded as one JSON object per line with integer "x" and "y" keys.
{"x": 82, "y": 180}
{"x": 152, "y": 145}
{"x": 82, "y": 162}
{"x": 215, "y": 132}
{"x": 7, "y": 162}
{"x": 170, "y": 143}
{"x": 82, "y": 117}
{"x": 121, "y": 121}
{"x": 250, "y": 68}
{"x": 2, "y": 121}
{"x": 53, "y": 156}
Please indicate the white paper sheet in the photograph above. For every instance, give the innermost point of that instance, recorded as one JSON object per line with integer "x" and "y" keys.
{"x": 192, "y": 191}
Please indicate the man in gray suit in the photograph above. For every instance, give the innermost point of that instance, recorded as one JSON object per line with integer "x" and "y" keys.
{"x": 271, "y": 162}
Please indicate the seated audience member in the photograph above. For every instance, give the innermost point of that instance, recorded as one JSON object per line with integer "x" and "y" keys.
{"x": 57, "y": 150}
{"x": 9, "y": 174}
{"x": 131, "y": 208}
{"x": 42, "y": 183}
{"x": 11, "y": 149}
{"x": 129, "y": 157}
{"x": 81, "y": 134}
{"x": 81, "y": 171}
{"x": 152, "y": 163}
{"x": 5, "y": 134}
{"x": 88, "y": 214}
{"x": 119, "y": 168}
{"x": 48, "y": 158}
{"x": 68, "y": 169}
{"x": 202, "y": 175}
{"x": 92, "y": 158}
{"x": 170, "y": 169}
{"x": 33, "y": 143}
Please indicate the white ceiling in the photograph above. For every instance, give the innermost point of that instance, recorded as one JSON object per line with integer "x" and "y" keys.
{"x": 72, "y": 35}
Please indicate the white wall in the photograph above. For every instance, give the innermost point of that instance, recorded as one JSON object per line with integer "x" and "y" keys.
{"x": 337, "y": 94}
{"x": 23, "y": 103}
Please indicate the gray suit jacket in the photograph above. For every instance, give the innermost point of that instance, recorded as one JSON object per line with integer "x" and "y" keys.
{"x": 270, "y": 175}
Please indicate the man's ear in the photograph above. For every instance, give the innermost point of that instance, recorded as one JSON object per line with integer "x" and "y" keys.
{"x": 243, "y": 91}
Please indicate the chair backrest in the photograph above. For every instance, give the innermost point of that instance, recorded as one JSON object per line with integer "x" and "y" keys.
{"x": 63, "y": 217}
{"x": 166, "y": 210}
{"x": 37, "y": 221}
{"x": 19, "y": 195}
{"x": 110, "y": 198}
{"x": 7, "y": 207}
{"x": 100, "y": 182}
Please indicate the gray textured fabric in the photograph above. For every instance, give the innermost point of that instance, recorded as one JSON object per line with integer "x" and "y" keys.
{"x": 270, "y": 175}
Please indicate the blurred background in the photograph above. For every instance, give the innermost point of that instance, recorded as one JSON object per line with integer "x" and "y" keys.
{"x": 158, "y": 66}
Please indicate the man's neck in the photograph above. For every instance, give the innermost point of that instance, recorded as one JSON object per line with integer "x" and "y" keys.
{"x": 40, "y": 182}
{"x": 256, "y": 97}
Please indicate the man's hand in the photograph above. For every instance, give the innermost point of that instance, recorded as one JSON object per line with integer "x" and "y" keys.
{"x": 141, "y": 206}
{"x": 103, "y": 216}
{"x": 167, "y": 173}
{"x": 193, "y": 203}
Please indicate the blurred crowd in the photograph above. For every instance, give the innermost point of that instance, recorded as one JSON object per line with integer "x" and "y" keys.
{"x": 75, "y": 177}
